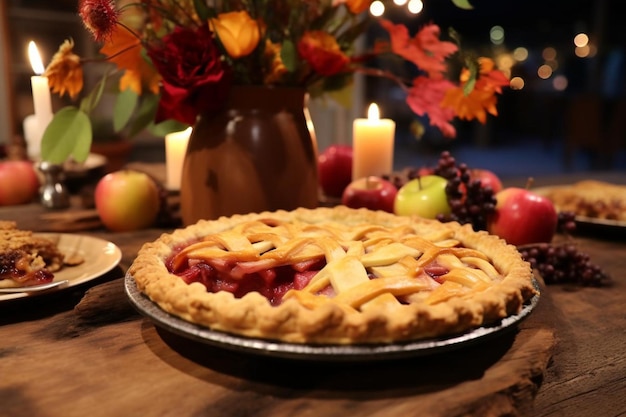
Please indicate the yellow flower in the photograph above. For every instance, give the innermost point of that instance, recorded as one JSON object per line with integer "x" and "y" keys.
{"x": 238, "y": 32}
{"x": 65, "y": 72}
{"x": 275, "y": 65}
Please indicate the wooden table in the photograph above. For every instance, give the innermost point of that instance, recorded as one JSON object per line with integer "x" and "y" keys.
{"x": 85, "y": 351}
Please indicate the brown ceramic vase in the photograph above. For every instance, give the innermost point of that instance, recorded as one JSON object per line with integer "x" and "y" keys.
{"x": 259, "y": 153}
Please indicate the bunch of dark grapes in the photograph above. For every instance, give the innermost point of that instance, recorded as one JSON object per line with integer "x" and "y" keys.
{"x": 564, "y": 263}
{"x": 469, "y": 201}
{"x": 566, "y": 222}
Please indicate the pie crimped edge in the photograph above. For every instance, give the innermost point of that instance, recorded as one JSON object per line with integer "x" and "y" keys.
{"x": 253, "y": 316}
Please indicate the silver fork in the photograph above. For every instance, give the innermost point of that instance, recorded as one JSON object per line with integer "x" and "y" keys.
{"x": 35, "y": 288}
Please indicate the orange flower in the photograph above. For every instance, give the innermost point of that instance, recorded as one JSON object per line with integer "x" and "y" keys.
{"x": 274, "y": 63}
{"x": 355, "y": 6}
{"x": 482, "y": 99}
{"x": 321, "y": 51}
{"x": 65, "y": 72}
{"x": 489, "y": 76}
{"x": 126, "y": 52}
{"x": 238, "y": 32}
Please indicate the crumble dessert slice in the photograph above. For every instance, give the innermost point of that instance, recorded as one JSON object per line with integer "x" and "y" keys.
{"x": 26, "y": 259}
{"x": 591, "y": 198}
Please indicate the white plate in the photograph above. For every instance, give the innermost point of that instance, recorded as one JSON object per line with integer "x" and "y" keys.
{"x": 327, "y": 353}
{"x": 100, "y": 256}
{"x": 93, "y": 161}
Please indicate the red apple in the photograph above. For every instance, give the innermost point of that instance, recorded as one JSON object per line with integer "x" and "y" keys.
{"x": 334, "y": 169}
{"x": 127, "y": 200}
{"x": 423, "y": 196}
{"x": 487, "y": 179}
{"x": 523, "y": 217}
{"x": 372, "y": 192}
{"x": 19, "y": 183}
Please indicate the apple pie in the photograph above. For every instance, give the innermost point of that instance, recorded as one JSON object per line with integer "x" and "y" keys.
{"x": 591, "y": 198}
{"x": 333, "y": 276}
{"x": 26, "y": 259}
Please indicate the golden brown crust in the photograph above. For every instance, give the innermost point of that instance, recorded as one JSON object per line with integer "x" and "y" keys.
{"x": 431, "y": 313}
{"x": 591, "y": 198}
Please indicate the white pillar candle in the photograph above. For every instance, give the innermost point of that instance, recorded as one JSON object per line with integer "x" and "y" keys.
{"x": 42, "y": 103}
{"x": 32, "y": 136}
{"x": 175, "y": 149}
{"x": 372, "y": 145}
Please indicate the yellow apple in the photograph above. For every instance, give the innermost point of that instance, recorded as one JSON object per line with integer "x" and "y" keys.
{"x": 127, "y": 200}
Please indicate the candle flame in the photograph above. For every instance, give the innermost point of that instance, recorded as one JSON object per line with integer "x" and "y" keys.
{"x": 35, "y": 58}
{"x": 372, "y": 112}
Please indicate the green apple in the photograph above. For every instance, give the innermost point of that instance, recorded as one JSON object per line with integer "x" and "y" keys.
{"x": 423, "y": 196}
{"x": 127, "y": 200}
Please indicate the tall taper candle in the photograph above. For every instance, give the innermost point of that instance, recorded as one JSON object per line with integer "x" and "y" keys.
{"x": 42, "y": 103}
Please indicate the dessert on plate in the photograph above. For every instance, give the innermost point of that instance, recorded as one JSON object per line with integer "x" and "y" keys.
{"x": 590, "y": 198}
{"x": 334, "y": 276}
{"x": 26, "y": 259}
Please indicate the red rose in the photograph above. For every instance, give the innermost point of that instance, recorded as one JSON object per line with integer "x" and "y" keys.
{"x": 195, "y": 80}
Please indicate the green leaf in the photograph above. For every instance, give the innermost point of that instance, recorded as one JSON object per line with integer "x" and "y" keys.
{"x": 463, "y": 4}
{"x": 473, "y": 67}
{"x": 68, "y": 135}
{"x": 168, "y": 126}
{"x": 289, "y": 56}
{"x": 144, "y": 114}
{"x": 202, "y": 9}
{"x": 90, "y": 102}
{"x": 125, "y": 104}
{"x": 345, "y": 96}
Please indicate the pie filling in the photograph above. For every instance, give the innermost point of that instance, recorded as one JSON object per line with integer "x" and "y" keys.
{"x": 354, "y": 266}
{"x": 22, "y": 269}
{"x": 26, "y": 259}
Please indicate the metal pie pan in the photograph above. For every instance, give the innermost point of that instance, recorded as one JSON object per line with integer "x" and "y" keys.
{"x": 330, "y": 353}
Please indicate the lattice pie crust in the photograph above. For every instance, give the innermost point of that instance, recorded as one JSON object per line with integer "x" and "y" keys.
{"x": 334, "y": 275}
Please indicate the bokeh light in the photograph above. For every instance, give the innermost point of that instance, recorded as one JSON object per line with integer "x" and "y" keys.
{"x": 496, "y": 34}
{"x": 517, "y": 83}
{"x": 559, "y": 82}
{"x": 549, "y": 53}
{"x": 582, "y": 51}
{"x": 544, "y": 72}
{"x": 581, "y": 40}
{"x": 415, "y": 6}
{"x": 377, "y": 8}
{"x": 520, "y": 54}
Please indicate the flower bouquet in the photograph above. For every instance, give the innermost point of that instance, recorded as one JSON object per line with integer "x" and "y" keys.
{"x": 176, "y": 59}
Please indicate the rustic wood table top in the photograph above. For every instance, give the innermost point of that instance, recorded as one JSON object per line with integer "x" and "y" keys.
{"x": 85, "y": 351}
